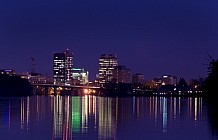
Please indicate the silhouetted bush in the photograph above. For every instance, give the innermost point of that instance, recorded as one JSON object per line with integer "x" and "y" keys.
{"x": 14, "y": 86}
{"x": 211, "y": 83}
{"x": 117, "y": 89}
{"x": 210, "y": 87}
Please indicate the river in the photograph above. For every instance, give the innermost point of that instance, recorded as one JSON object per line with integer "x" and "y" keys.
{"x": 105, "y": 118}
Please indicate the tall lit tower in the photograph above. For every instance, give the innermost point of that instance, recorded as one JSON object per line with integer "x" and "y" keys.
{"x": 107, "y": 62}
{"x": 62, "y": 67}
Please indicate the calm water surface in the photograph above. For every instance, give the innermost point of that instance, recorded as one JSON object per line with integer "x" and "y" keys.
{"x": 91, "y": 117}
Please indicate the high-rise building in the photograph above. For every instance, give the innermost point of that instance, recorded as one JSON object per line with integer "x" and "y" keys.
{"x": 63, "y": 66}
{"x": 169, "y": 80}
{"x": 121, "y": 74}
{"x": 80, "y": 76}
{"x": 107, "y": 62}
{"x": 165, "y": 80}
{"x": 138, "y": 78}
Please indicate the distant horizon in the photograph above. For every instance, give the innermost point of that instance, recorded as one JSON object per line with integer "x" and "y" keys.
{"x": 93, "y": 77}
{"x": 149, "y": 37}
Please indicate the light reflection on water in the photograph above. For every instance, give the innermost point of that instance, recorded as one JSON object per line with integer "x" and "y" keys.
{"x": 91, "y": 117}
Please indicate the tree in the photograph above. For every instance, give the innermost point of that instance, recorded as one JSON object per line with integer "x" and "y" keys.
{"x": 211, "y": 90}
{"x": 211, "y": 83}
{"x": 182, "y": 85}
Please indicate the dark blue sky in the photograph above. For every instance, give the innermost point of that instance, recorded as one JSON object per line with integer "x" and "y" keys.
{"x": 153, "y": 37}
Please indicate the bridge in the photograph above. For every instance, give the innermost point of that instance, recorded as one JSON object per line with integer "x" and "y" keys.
{"x": 51, "y": 89}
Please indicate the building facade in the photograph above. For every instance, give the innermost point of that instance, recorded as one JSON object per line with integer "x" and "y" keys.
{"x": 121, "y": 74}
{"x": 80, "y": 76}
{"x": 7, "y": 71}
{"x": 138, "y": 78}
{"x": 36, "y": 78}
{"x": 63, "y": 67}
{"x": 169, "y": 80}
{"x": 107, "y": 63}
{"x": 165, "y": 80}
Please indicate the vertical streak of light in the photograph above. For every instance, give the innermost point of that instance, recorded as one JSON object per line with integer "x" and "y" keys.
{"x": 174, "y": 107}
{"x": 67, "y": 117}
{"x": 153, "y": 106}
{"x": 150, "y": 100}
{"x": 37, "y": 107}
{"x": 171, "y": 107}
{"x": 133, "y": 105}
{"x": 155, "y": 116}
{"x": 54, "y": 117}
{"x": 201, "y": 107}
{"x": 196, "y": 108}
{"x": 27, "y": 113}
{"x": 90, "y": 104}
{"x": 164, "y": 115}
{"x": 179, "y": 105}
{"x": 100, "y": 116}
{"x": 85, "y": 113}
{"x": 9, "y": 115}
{"x": 138, "y": 113}
{"x": 82, "y": 113}
{"x": 56, "y": 108}
{"x": 53, "y": 101}
{"x": 115, "y": 121}
{"x": 22, "y": 114}
{"x": 95, "y": 113}
{"x": 190, "y": 106}
{"x": 70, "y": 117}
{"x": 55, "y": 114}
{"x": 86, "y": 106}
{"x": 161, "y": 104}
{"x": 58, "y": 117}
{"x": 64, "y": 121}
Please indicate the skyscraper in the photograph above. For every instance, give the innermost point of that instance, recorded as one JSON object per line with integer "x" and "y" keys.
{"x": 121, "y": 74}
{"x": 63, "y": 66}
{"x": 80, "y": 76}
{"x": 107, "y": 62}
{"x": 138, "y": 78}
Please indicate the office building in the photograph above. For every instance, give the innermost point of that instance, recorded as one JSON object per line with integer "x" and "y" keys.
{"x": 121, "y": 74}
{"x": 138, "y": 79}
{"x": 80, "y": 76}
{"x": 169, "y": 80}
{"x": 36, "y": 78}
{"x": 107, "y": 63}
{"x": 63, "y": 66}
{"x": 165, "y": 80}
{"x": 8, "y": 72}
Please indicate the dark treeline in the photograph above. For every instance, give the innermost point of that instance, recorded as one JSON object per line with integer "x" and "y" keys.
{"x": 14, "y": 86}
{"x": 211, "y": 83}
{"x": 211, "y": 89}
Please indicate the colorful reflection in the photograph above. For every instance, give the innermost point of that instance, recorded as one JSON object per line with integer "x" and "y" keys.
{"x": 76, "y": 113}
{"x": 91, "y": 117}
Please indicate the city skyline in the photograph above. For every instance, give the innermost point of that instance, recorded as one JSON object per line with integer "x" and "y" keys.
{"x": 149, "y": 37}
{"x": 93, "y": 75}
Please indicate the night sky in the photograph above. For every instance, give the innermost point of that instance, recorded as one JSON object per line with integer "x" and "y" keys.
{"x": 152, "y": 37}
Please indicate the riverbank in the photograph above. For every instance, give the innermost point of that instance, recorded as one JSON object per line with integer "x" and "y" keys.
{"x": 14, "y": 86}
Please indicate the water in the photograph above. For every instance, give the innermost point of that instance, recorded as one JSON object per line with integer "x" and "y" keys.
{"x": 105, "y": 118}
